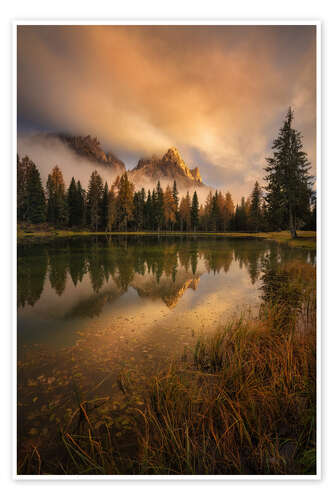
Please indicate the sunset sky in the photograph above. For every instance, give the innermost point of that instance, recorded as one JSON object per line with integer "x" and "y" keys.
{"x": 217, "y": 93}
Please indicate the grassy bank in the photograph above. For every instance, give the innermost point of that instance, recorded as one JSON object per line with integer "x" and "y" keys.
{"x": 243, "y": 401}
{"x": 247, "y": 404}
{"x": 305, "y": 239}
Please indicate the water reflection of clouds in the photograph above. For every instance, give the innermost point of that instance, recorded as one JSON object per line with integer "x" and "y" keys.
{"x": 145, "y": 283}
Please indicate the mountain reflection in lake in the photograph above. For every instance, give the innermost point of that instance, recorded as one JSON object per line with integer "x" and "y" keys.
{"x": 63, "y": 286}
{"x": 91, "y": 308}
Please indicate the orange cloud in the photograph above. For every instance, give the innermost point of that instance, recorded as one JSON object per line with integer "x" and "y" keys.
{"x": 217, "y": 93}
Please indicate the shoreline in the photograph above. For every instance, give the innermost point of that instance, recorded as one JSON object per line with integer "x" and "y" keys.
{"x": 306, "y": 239}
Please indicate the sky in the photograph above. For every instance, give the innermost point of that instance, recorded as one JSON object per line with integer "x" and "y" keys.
{"x": 217, "y": 93}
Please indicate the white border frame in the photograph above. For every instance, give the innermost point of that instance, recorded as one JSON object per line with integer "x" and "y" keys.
{"x": 319, "y": 384}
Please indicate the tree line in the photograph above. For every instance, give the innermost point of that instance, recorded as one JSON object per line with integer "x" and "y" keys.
{"x": 287, "y": 200}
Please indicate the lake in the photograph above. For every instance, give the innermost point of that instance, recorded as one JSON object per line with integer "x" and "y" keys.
{"x": 91, "y": 308}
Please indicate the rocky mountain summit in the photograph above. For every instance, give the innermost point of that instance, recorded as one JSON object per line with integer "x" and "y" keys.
{"x": 62, "y": 146}
{"x": 170, "y": 167}
{"x": 90, "y": 148}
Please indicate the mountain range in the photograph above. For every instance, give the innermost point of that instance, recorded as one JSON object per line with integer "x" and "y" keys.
{"x": 167, "y": 168}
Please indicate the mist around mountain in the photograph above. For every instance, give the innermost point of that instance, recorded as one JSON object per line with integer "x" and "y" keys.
{"x": 170, "y": 166}
{"x": 78, "y": 156}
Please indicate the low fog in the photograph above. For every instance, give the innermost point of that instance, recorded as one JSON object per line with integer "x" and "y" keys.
{"x": 47, "y": 152}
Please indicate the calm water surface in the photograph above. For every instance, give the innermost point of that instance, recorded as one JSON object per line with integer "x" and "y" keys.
{"x": 91, "y": 307}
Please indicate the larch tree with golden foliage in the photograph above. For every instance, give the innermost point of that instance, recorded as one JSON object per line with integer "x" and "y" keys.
{"x": 185, "y": 212}
{"x": 57, "y": 210}
{"x": 170, "y": 208}
{"x": 125, "y": 204}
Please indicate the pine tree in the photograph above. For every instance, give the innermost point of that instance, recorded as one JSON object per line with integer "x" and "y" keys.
{"x": 195, "y": 212}
{"x": 94, "y": 197}
{"x": 240, "y": 221}
{"x": 207, "y": 211}
{"x": 176, "y": 203}
{"x": 154, "y": 209}
{"x": 57, "y": 210}
{"x": 202, "y": 217}
{"x": 81, "y": 204}
{"x": 169, "y": 207}
{"x": 185, "y": 213}
{"x": 159, "y": 206}
{"x": 72, "y": 203}
{"x": 229, "y": 210}
{"x": 148, "y": 222}
{"x": 125, "y": 201}
{"x": 112, "y": 210}
{"x": 289, "y": 185}
{"x": 214, "y": 214}
{"x": 21, "y": 202}
{"x": 104, "y": 207}
{"x": 255, "y": 208}
{"x": 138, "y": 210}
{"x": 222, "y": 216}
{"x": 35, "y": 196}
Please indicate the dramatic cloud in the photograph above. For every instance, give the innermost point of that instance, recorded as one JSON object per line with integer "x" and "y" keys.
{"x": 216, "y": 93}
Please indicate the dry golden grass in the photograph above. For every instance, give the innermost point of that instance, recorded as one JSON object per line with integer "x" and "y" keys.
{"x": 245, "y": 403}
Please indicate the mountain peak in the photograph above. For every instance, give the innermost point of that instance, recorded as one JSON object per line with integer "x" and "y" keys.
{"x": 168, "y": 168}
{"x": 90, "y": 148}
{"x": 173, "y": 156}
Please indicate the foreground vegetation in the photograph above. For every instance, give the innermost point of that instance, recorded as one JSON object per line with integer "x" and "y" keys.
{"x": 243, "y": 401}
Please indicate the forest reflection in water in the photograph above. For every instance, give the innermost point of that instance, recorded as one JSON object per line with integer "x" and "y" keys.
{"x": 93, "y": 273}
{"x": 90, "y": 308}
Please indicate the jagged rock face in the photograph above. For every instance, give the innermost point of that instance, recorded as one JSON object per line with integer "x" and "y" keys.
{"x": 196, "y": 174}
{"x": 171, "y": 166}
{"x": 90, "y": 148}
{"x": 173, "y": 157}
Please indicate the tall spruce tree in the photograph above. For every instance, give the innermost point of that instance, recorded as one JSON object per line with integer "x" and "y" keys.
{"x": 214, "y": 213}
{"x": 138, "y": 209}
{"x": 185, "y": 212}
{"x": 175, "y": 195}
{"x": 72, "y": 203}
{"x": 169, "y": 206}
{"x": 195, "y": 212}
{"x": 21, "y": 200}
{"x": 148, "y": 223}
{"x": 35, "y": 196}
{"x": 125, "y": 201}
{"x": 94, "y": 198}
{"x": 255, "y": 208}
{"x": 81, "y": 204}
{"x": 112, "y": 210}
{"x": 57, "y": 210}
{"x": 104, "y": 207}
{"x": 289, "y": 185}
{"x": 159, "y": 206}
